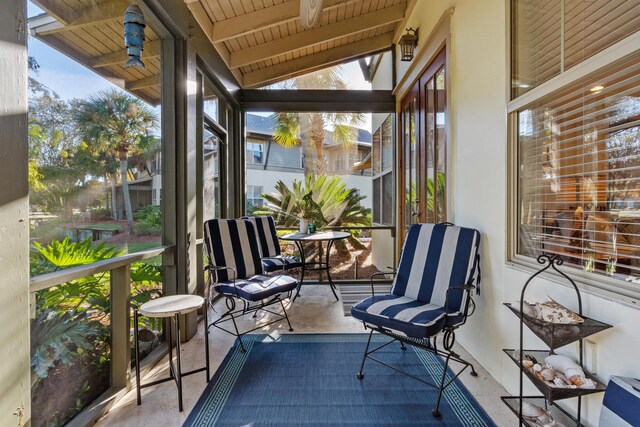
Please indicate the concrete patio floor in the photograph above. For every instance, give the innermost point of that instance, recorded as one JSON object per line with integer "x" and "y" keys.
{"x": 315, "y": 311}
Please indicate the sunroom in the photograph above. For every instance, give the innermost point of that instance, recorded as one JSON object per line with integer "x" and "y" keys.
{"x": 131, "y": 135}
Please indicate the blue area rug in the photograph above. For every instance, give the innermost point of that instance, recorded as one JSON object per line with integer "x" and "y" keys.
{"x": 310, "y": 379}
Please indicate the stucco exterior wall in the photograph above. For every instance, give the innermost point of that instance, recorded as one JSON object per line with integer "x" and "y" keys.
{"x": 478, "y": 190}
{"x": 269, "y": 178}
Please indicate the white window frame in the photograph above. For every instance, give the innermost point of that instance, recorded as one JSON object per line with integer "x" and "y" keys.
{"x": 601, "y": 285}
{"x": 250, "y": 159}
{"x": 382, "y": 173}
{"x": 251, "y": 196}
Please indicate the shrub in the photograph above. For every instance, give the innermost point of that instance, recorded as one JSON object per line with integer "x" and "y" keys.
{"x": 149, "y": 220}
{"x": 101, "y": 213}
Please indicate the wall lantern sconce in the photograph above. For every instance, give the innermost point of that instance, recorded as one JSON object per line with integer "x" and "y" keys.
{"x": 408, "y": 43}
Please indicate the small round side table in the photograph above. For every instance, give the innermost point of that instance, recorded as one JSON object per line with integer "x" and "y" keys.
{"x": 171, "y": 307}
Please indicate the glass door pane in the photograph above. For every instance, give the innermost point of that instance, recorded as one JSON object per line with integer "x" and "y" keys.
{"x": 440, "y": 154}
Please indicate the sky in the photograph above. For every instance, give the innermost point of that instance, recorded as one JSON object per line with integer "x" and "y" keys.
{"x": 71, "y": 80}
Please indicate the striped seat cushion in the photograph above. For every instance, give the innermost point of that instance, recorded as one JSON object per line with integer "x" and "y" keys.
{"x": 258, "y": 287}
{"x": 434, "y": 258}
{"x": 276, "y": 263}
{"x": 266, "y": 229}
{"x": 407, "y": 315}
{"x": 621, "y": 404}
{"x": 233, "y": 243}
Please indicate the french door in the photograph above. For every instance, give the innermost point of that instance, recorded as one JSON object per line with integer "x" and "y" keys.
{"x": 424, "y": 148}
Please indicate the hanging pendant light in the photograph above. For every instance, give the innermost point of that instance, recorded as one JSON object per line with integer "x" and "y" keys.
{"x": 408, "y": 43}
{"x": 310, "y": 13}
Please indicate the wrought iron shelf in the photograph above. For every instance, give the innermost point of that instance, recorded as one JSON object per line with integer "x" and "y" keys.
{"x": 560, "y": 415}
{"x": 557, "y": 335}
{"x": 549, "y": 392}
{"x": 554, "y": 336}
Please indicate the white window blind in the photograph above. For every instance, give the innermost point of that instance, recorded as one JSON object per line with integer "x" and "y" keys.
{"x": 551, "y": 36}
{"x": 579, "y": 173}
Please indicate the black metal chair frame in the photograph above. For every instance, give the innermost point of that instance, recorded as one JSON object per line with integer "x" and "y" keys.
{"x": 248, "y": 307}
{"x": 428, "y": 344}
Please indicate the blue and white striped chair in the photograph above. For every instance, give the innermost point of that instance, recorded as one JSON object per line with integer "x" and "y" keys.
{"x": 235, "y": 271}
{"x": 621, "y": 404}
{"x": 431, "y": 293}
{"x": 272, "y": 258}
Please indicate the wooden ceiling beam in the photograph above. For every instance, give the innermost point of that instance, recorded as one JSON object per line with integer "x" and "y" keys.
{"x": 262, "y": 19}
{"x": 198, "y": 12}
{"x": 63, "y": 13}
{"x": 151, "y": 49}
{"x": 143, "y": 83}
{"x": 91, "y": 15}
{"x": 323, "y": 59}
{"x": 317, "y": 35}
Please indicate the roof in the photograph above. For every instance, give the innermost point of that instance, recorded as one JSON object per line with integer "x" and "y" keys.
{"x": 264, "y": 42}
{"x": 266, "y": 124}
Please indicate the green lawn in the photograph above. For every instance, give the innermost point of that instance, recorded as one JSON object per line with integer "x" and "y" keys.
{"x": 134, "y": 247}
{"x": 103, "y": 226}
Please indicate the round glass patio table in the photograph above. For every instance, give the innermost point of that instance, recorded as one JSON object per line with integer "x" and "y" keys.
{"x": 323, "y": 236}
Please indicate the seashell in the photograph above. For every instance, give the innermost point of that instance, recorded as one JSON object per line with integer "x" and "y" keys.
{"x": 551, "y": 311}
{"x": 559, "y": 382}
{"x": 531, "y": 411}
{"x": 537, "y": 367}
{"x": 527, "y": 363}
{"x": 548, "y": 374}
{"x": 564, "y": 365}
{"x": 527, "y": 309}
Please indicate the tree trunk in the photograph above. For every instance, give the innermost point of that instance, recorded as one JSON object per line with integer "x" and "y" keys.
{"x": 317, "y": 135}
{"x": 114, "y": 204}
{"x": 125, "y": 192}
{"x": 305, "y": 136}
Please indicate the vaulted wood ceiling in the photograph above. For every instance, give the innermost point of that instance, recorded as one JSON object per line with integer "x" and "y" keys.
{"x": 91, "y": 32}
{"x": 262, "y": 41}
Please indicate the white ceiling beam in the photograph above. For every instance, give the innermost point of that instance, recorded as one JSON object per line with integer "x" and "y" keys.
{"x": 262, "y": 19}
{"x": 323, "y": 59}
{"x": 317, "y": 35}
{"x": 91, "y": 15}
{"x": 198, "y": 12}
{"x": 143, "y": 83}
{"x": 151, "y": 49}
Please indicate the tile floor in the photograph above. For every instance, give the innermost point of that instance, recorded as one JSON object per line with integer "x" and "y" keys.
{"x": 315, "y": 311}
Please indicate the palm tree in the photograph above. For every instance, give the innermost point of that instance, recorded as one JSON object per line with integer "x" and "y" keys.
{"x": 118, "y": 125}
{"x": 308, "y": 130}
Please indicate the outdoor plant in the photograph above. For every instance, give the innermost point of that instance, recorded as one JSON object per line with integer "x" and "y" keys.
{"x": 149, "y": 220}
{"x": 324, "y": 201}
{"x": 70, "y": 335}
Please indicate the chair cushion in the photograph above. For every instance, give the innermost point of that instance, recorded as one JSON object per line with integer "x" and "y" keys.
{"x": 434, "y": 258}
{"x": 267, "y": 237}
{"x": 275, "y": 263}
{"x": 233, "y": 243}
{"x": 621, "y": 404}
{"x": 258, "y": 287}
{"x": 407, "y": 315}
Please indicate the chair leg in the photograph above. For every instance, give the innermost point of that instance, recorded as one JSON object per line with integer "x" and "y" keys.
{"x": 238, "y": 334}
{"x": 364, "y": 357}
{"x": 285, "y": 315}
{"x": 436, "y": 409}
{"x": 137, "y": 355}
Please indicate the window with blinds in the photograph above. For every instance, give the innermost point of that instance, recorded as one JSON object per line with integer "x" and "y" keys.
{"x": 383, "y": 173}
{"x": 579, "y": 173}
{"x": 551, "y": 36}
